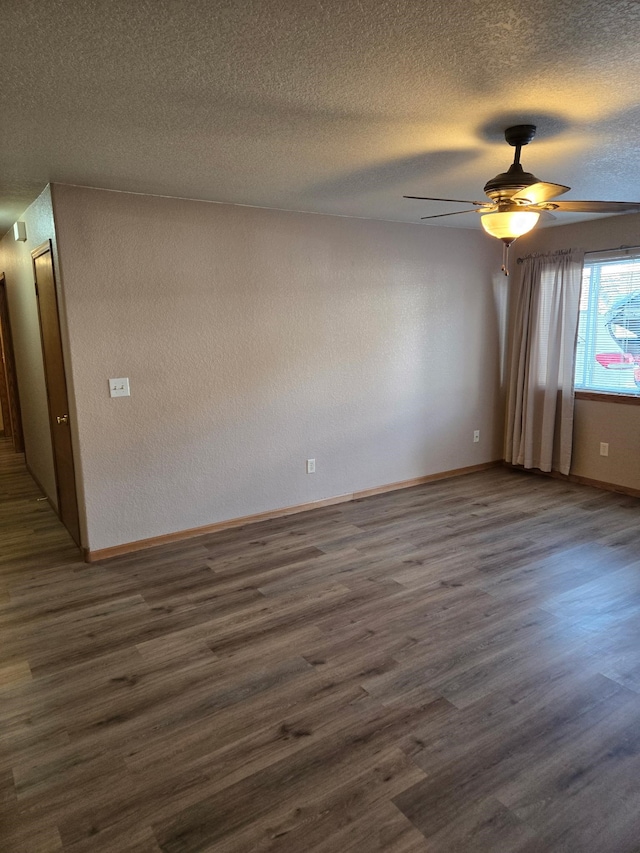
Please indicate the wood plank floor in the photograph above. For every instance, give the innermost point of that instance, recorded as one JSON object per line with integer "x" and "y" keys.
{"x": 453, "y": 667}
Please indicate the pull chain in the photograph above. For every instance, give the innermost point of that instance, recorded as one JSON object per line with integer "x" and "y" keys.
{"x": 505, "y": 258}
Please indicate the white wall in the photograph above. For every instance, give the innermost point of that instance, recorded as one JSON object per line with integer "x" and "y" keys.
{"x": 254, "y": 339}
{"x": 615, "y": 423}
{"x": 16, "y": 263}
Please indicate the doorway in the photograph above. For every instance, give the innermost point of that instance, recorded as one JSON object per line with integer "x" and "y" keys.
{"x": 9, "y": 397}
{"x": 56, "y": 384}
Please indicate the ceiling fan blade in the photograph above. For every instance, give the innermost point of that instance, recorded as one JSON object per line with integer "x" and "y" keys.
{"x": 597, "y": 206}
{"x": 456, "y": 200}
{"x": 542, "y": 191}
{"x": 455, "y": 213}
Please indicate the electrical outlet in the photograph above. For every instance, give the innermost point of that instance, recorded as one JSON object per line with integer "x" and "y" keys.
{"x": 476, "y": 436}
{"x": 604, "y": 448}
{"x": 311, "y": 466}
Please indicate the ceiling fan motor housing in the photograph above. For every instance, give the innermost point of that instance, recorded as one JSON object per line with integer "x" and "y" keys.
{"x": 507, "y": 184}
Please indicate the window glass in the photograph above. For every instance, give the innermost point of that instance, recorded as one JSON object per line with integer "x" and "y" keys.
{"x": 608, "y": 342}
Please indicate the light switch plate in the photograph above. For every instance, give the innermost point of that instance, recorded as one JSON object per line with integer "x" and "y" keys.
{"x": 119, "y": 387}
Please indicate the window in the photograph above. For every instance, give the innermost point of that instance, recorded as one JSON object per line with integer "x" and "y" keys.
{"x": 608, "y": 343}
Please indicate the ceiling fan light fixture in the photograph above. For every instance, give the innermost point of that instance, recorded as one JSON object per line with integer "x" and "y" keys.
{"x": 508, "y": 225}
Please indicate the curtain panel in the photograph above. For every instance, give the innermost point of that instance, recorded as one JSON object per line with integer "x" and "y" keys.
{"x": 540, "y": 394}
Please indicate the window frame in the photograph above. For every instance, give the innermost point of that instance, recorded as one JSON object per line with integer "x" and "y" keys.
{"x": 607, "y": 395}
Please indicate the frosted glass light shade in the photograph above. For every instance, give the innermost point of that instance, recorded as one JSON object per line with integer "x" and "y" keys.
{"x": 509, "y": 224}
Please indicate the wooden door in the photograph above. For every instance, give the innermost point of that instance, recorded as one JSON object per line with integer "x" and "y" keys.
{"x": 10, "y": 398}
{"x": 4, "y": 395}
{"x": 56, "y": 388}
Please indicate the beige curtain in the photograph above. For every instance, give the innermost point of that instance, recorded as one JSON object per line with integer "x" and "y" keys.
{"x": 540, "y": 397}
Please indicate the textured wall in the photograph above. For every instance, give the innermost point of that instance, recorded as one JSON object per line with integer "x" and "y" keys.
{"x": 616, "y": 423}
{"x": 15, "y": 262}
{"x": 254, "y": 339}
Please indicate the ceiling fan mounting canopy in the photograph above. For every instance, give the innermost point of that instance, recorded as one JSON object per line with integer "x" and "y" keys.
{"x": 520, "y": 134}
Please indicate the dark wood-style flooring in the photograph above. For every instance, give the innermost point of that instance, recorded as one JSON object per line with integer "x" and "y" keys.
{"x": 453, "y": 667}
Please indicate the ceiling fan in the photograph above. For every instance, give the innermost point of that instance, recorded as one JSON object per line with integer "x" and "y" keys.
{"x": 517, "y": 198}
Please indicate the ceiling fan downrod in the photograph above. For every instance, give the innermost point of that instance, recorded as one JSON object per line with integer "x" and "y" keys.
{"x": 508, "y": 183}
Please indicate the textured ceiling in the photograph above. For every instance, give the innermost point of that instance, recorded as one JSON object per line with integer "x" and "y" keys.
{"x": 334, "y": 106}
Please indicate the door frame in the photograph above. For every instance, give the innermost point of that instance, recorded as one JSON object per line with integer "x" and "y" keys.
{"x": 47, "y": 247}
